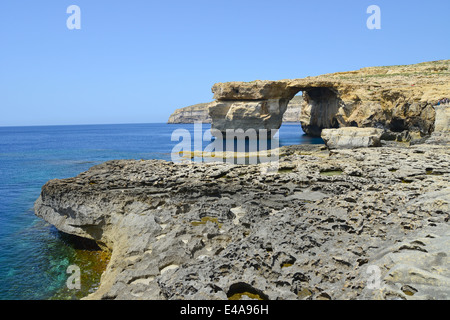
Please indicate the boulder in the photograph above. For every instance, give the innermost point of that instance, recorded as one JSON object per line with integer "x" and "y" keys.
{"x": 441, "y": 134}
{"x": 442, "y": 123}
{"x": 350, "y": 137}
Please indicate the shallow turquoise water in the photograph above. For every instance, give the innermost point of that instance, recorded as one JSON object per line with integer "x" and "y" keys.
{"x": 33, "y": 256}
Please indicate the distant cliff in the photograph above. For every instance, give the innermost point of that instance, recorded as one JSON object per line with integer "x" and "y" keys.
{"x": 200, "y": 112}
{"x": 293, "y": 110}
{"x": 191, "y": 114}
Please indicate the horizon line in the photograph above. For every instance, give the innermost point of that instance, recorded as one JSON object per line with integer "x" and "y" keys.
{"x": 80, "y": 124}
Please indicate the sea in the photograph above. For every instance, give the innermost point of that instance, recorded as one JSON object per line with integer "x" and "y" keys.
{"x": 34, "y": 256}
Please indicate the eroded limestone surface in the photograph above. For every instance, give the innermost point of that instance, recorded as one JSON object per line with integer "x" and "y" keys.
{"x": 311, "y": 230}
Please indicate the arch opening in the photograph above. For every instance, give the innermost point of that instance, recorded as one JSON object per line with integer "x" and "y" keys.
{"x": 319, "y": 110}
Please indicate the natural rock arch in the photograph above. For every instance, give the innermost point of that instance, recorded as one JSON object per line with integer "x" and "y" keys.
{"x": 379, "y": 97}
{"x": 262, "y": 104}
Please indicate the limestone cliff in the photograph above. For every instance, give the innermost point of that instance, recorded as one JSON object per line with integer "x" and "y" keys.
{"x": 200, "y": 112}
{"x": 394, "y": 98}
{"x": 292, "y": 113}
{"x": 195, "y": 113}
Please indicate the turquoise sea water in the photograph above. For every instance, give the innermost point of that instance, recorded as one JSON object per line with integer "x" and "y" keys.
{"x": 33, "y": 255}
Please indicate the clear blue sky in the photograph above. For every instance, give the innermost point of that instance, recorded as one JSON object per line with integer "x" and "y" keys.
{"x": 136, "y": 61}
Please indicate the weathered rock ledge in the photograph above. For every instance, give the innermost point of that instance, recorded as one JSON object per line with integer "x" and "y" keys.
{"x": 315, "y": 229}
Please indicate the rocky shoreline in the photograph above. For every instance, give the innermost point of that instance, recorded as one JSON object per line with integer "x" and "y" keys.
{"x": 367, "y": 223}
{"x": 365, "y": 216}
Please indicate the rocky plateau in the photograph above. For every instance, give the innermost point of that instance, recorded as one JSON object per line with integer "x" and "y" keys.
{"x": 316, "y": 228}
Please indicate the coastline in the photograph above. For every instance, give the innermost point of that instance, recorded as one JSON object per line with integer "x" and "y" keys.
{"x": 208, "y": 157}
{"x": 363, "y": 216}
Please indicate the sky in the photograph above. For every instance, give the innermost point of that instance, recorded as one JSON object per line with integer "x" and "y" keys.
{"x": 136, "y": 61}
